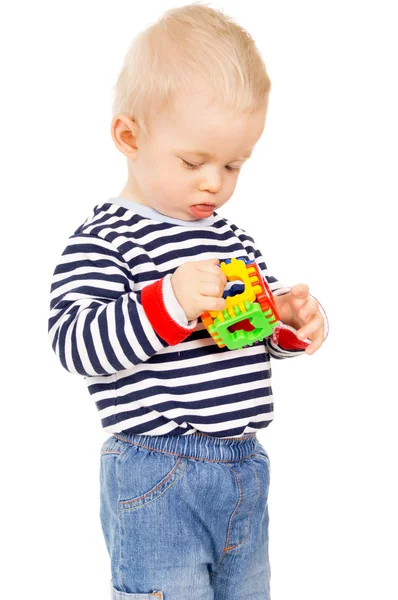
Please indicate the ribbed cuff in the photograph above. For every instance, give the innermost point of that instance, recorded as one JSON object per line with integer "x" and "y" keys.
{"x": 286, "y": 338}
{"x": 158, "y": 301}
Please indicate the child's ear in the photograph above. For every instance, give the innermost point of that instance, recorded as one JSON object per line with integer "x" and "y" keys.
{"x": 124, "y": 132}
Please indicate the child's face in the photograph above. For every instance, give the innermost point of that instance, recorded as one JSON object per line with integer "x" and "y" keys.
{"x": 160, "y": 174}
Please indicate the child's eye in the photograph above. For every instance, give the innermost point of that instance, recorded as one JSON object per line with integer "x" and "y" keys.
{"x": 190, "y": 165}
{"x": 193, "y": 167}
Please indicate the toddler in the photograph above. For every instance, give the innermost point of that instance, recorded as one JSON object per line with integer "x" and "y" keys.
{"x": 184, "y": 479}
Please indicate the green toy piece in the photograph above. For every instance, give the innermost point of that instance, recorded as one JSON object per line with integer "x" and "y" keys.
{"x": 237, "y": 339}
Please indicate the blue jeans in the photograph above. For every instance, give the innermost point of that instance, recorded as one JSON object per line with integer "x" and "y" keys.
{"x": 186, "y": 517}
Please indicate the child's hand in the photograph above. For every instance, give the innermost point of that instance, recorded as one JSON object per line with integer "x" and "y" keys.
{"x": 199, "y": 286}
{"x": 299, "y": 310}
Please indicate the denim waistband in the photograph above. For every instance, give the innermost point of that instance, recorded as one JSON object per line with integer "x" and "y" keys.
{"x": 196, "y": 445}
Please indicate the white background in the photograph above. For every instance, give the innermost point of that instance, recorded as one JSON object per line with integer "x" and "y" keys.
{"x": 325, "y": 176}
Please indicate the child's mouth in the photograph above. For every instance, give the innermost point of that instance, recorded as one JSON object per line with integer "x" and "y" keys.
{"x": 202, "y": 210}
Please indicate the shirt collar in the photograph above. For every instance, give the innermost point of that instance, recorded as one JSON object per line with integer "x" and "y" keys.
{"x": 151, "y": 213}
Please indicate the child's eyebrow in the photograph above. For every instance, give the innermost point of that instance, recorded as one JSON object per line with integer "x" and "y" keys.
{"x": 246, "y": 154}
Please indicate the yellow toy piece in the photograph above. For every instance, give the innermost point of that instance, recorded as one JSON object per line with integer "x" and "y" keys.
{"x": 255, "y": 305}
{"x": 237, "y": 270}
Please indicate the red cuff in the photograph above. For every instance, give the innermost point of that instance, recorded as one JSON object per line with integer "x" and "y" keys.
{"x": 287, "y": 339}
{"x": 155, "y": 309}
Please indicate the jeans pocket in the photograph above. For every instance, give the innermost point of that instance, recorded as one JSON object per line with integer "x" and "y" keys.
{"x": 144, "y": 476}
{"x": 116, "y": 595}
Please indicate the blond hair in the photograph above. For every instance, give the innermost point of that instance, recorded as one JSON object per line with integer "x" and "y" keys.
{"x": 193, "y": 45}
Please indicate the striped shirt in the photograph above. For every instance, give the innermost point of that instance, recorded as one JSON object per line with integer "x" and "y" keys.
{"x": 114, "y": 320}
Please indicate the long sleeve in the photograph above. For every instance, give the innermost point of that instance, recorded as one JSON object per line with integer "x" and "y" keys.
{"x": 98, "y": 325}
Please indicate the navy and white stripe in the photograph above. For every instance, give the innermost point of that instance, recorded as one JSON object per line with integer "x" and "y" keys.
{"x": 99, "y": 329}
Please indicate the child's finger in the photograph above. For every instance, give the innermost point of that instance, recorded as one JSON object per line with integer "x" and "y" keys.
{"x": 300, "y": 290}
{"x": 316, "y": 340}
{"x": 308, "y": 310}
{"x": 312, "y": 329}
{"x": 315, "y": 344}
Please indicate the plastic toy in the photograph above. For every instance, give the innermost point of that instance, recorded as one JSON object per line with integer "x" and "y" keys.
{"x": 247, "y": 317}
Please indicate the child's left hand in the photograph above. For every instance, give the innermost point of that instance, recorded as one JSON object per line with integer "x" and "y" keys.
{"x": 299, "y": 310}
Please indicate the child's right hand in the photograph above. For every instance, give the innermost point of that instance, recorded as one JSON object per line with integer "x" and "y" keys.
{"x": 199, "y": 286}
